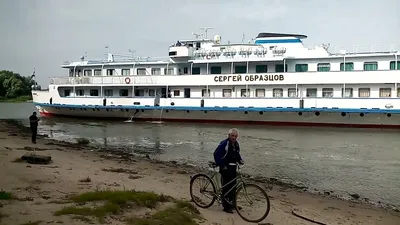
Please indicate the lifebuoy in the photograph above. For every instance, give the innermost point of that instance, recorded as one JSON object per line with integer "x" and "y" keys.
{"x": 128, "y": 80}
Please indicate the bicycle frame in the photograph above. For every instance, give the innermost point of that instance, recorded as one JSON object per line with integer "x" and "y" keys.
{"x": 239, "y": 183}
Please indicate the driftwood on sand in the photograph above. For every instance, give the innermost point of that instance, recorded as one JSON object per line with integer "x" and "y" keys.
{"x": 36, "y": 159}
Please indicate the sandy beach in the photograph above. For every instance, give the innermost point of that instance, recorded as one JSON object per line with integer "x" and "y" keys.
{"x": 41, "y": 189}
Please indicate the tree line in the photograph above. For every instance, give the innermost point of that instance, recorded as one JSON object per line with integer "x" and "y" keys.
{"x": 13, "y": 85}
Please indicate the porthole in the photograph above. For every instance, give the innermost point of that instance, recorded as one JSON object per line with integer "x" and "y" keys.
{"x": 299, "y": 113}
{"x": 362, "y": 114}
{"x": 389, "y": 115}
{"x": 245, "y": 112}
{"x": 343, "y": 114}
{"x": 261, "y": 112}
{"x": 317, "y": 113}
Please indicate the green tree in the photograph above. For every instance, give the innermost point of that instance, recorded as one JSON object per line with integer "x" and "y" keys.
{"x": 13, "y": 85}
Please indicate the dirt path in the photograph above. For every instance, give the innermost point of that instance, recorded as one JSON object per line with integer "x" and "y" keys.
{"x": 41, "y": 187}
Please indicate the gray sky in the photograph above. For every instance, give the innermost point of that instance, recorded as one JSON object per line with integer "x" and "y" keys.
{"x": 42, "y": 34}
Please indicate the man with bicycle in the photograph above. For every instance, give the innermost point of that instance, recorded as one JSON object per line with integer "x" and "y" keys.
{"x": 226, "y": 156}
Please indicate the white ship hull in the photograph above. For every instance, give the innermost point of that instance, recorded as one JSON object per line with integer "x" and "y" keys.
{"x": 275, "y": 80}
{"x": 196, "y": 114}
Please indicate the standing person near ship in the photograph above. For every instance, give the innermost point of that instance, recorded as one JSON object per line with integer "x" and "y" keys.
{"x": 226, "y": 156}
{"x": 34, "y": 122}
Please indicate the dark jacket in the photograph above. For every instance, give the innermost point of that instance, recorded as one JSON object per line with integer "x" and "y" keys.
{"x": 225, "y": 153}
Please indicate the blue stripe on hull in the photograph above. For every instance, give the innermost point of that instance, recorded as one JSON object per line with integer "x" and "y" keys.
{"x": 249, "y": 109}
{"x": 277, "y": 41}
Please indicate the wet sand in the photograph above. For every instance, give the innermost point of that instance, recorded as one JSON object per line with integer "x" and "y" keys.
{"x": 40, "y": 188}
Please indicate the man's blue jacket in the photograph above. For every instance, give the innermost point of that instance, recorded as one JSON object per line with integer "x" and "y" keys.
{"x": 221, "y": 153}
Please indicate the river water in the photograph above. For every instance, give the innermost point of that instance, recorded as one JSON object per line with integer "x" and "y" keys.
{"x": 345, "y": 161}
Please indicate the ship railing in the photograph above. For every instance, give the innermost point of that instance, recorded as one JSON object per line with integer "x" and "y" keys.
{"x": 204, "y": 54}
{"x": 117, "y": 59}
{"x": 364, "y": 49}
{"x": 103, "y": 80}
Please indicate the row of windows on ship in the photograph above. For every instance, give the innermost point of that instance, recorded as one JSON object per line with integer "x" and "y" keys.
{"x": 239, "y": 69}
{"x": 260, "y": 93}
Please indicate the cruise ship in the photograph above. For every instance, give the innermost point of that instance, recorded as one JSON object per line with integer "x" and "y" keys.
{"x": 273, "y": 79}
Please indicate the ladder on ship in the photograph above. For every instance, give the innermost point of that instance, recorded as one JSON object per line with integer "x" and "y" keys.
{"x": 130, "y": 120}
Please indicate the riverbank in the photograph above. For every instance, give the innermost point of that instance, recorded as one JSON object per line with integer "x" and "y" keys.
{"x": 19, "y": 99}
{"x": 42, "y": 188}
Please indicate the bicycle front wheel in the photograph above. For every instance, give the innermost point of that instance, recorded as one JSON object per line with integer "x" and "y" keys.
{"x": 252, "y": 203}
{"x": 202, "y": 185}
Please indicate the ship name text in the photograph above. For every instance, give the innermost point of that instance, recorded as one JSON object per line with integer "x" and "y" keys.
{"x": 238, "y": 78}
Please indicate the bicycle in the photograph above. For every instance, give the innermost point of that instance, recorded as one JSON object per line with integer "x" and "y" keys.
{"x": 240, "y": 186}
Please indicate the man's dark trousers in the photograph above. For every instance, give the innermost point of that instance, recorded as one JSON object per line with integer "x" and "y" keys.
{"x": 226, "y": 176}
{"x": 34, "y": 133}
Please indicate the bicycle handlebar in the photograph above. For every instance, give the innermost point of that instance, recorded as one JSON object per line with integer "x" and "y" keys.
{"x": 239, "y": 165}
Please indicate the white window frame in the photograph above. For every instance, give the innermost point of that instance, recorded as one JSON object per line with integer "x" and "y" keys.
{"x": 347, "y": 92}
{"x": 364, "y": 92}
{"x": 260, "y": 93}
{"x": 227, "y": 93}
{"x": 141, "y": 71}
{"x": 311, "y": 90}
{"x": 385, "y": 92}
{"x": 327, "y": 92}
{"x": 277, "y": 92}
{"x": 292, "y": 91}
{"x": 125, "y": 72}
{"x": 244, "y": 93}
{"x": 155, "y": 71}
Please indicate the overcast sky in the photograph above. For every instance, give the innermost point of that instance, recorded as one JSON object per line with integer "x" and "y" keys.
{"x": 42, "y": 34}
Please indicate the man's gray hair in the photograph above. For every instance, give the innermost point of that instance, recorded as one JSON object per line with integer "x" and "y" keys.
{"x": 233, "y": 130}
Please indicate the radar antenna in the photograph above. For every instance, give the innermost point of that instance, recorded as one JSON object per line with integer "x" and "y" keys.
{"x": 326, "y": 46}
{"x": 106, "y": 47}
{"x": 196, "y": 35}
{"x": 205, "y": 29}
{"x": 132, "y": 52}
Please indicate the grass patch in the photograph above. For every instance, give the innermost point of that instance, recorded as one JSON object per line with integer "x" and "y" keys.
{"x": 5, "y": 195}
{"x": 33, "y": 223}
{"x": 142, "y": 199}
{"x": 182, "y": 213}
{"x": 98, "y": 212}
{"x": 115, "y": 201}
{"x": 82, "y": 218}
{"x": 82, "y": 141}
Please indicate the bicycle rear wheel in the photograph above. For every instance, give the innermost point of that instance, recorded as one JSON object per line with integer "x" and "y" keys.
{"x": 206, "y": 188}
{"x": 252, "y": 199}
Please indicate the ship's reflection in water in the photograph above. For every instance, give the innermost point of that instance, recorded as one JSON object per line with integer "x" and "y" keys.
{"x": 362, "y": 161}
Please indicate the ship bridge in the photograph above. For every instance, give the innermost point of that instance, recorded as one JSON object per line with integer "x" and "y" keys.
{"x": 281, "y": 40}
